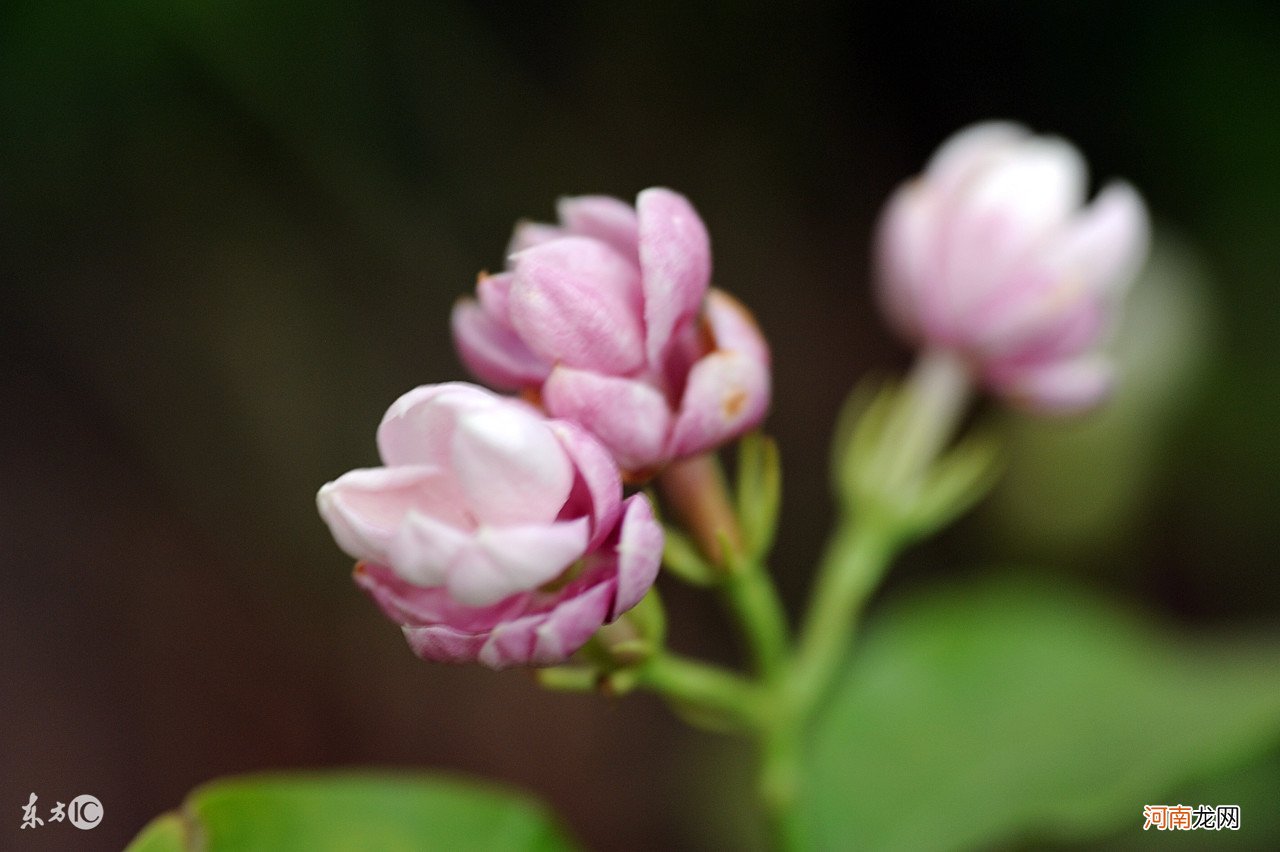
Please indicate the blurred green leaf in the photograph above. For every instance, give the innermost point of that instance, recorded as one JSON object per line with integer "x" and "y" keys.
{"x": 1002, "y": 711}
{"x": 164, "y": 833}
{"x": 331, "y": 812}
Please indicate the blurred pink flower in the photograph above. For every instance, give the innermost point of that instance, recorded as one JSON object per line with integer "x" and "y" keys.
{"x": 492, "y": 534}
{"x": 992, "y": 255}
{"x": 607, "y": 318}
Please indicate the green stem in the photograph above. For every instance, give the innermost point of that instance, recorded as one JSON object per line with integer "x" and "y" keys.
{"x": 855, "y": 562}
{"x": 779, "y": 780}
{"x": 753, "y": 599}
{"x": 704, "y": 686}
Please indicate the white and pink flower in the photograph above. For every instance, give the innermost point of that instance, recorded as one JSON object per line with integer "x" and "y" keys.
{"x": 607, "y": 318}
{"x": 492, "y": 533}
{"x": 992, "y": 254}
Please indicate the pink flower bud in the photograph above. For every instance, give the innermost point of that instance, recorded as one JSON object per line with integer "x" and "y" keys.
{"x": 993, "y": 255}
{"x": 608, "y": 318}
{"x": 491, "y": 533}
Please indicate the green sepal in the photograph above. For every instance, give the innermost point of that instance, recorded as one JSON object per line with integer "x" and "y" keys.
{"x": 683, "y": 559}
{"x": 879, "y": 483}
{"x": 759, "y": 493}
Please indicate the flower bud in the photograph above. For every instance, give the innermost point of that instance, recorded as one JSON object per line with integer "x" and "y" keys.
{"x": 608, "y": 318}
{"x": 491, "y": 533}
{"x": 992, "y": 255}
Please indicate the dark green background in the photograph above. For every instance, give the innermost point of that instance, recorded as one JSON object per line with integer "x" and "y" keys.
{"x": 231, "y": 233}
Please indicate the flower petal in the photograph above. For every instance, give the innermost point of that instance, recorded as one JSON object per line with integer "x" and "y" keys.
{"x": 424, "y": 547}
{"x": 1106, "y": 244}
{"x": 492, "y": 351}
{"x": 547, "y": 638}
{"x": 492, "y": 291}
{"x": 414, "y": 606}
{"x": 528, "y": 234}
{"x": 598, "y": 473}
{"x": 366, "y": 508}
{"x": 418, "y": 427}
{"x": 727, "y": 394}
{"x": 505, "y": 560}
{"x": 576, "y": 301}
{"x": 907, "y": 251}
{"x": 509, "y": 466}
{"x": 734, "y": 328}
{"x": 639, "y": 553}
{"x": 1058, "y": 387}
{"x": 970, "y": 151}
{"x": 603, "y": 218}
{"x": 1006, "y": 214}
{"x": 629, "y": 417}
{"x": 675, "y": 265}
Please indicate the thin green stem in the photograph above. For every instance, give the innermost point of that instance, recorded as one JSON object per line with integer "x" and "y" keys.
{"x": 706, "y": 687}
{"x": 855, "y": 562}
{"x": 753, "y": 599}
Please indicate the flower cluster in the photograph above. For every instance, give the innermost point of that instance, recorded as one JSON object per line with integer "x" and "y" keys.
{"x": 497, "y": 529}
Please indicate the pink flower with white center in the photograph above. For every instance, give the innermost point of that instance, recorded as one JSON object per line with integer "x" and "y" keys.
{"x": 607, "y": 319}
{"x": 993, "y": 256}
{"x": 492, "y": 533}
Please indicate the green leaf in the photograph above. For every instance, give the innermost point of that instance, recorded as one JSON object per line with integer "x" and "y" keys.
{"x": 317, "y": 812}
{"x": 1005, "y": 711}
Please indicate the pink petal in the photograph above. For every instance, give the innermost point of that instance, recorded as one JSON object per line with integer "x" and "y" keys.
{"x": 727, "y": 394}
{"x": 528, "y": 234}
{"x": 675, "y": 265}
{"x": 1107, "y": 242}
{"x": 493, "y": 352}
{"x": 424, "y": 547}
{"x": 1059, "y": 387}
{"x": 547, "y": 638}
{"x": 639, "y": 554}
{"x": 493, "y": 290}
{"x": 970, "y": 151}
{"x": 598, "y": 474}
{"x": 1052, "y": 336}
{"x": 629, "y": 417}
{"x": 414, "y": 606}
{"x": 603, "y": 218}
{"x": 366, "y": 508}
{"x": 510, "y": 466}
{"x": 906, "y": 242}
{"x": 440, "y": 643}
{"x": 568, "y": 627}
{"x": 418, "y": 427}
{"x": 1007, "y": 213}
{"x": 576, "y": 301}
{"x": 734, "y": 328}
{"x": 503, "y": 561}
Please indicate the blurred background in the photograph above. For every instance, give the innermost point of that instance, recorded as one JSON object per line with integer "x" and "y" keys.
{"x": 231, "y": 233}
